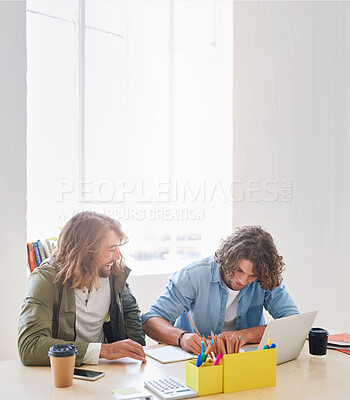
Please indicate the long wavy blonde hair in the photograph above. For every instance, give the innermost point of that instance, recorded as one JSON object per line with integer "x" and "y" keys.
{"x": 78, "y": 245}
{"x": 252, "y": 243}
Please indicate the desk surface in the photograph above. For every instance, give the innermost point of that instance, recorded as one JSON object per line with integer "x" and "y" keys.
{"x": 304, "y": 378}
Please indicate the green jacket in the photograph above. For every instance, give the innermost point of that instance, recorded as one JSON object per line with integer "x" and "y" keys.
{"x": 48, "y": 316}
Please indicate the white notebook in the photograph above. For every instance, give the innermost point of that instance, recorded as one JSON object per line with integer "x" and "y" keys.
{"x": 169, "y": 354}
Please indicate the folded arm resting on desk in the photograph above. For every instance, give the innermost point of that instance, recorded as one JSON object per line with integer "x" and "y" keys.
{"x": 161, "y": 330}
{"x": 46, "y": 321}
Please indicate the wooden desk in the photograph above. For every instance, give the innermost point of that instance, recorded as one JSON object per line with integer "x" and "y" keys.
{"x": 301, "y": 379}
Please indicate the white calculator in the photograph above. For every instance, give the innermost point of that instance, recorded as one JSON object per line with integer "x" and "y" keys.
{"x": 170, "y": 388}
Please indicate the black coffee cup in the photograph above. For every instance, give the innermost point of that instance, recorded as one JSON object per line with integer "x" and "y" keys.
{"x": 318, "y": 339}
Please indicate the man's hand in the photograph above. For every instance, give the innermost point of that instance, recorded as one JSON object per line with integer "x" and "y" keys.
{"x": 236, "y": 335}
{"x": 191, "y": 343}
{"x": 249, "y": 335}
{"x": 123, "y": 348}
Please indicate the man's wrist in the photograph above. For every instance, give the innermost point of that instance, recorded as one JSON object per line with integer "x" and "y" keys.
{"x": 180, "y": 337}
{"x": 254, "y": 334}
{"x": 103, "y": 351}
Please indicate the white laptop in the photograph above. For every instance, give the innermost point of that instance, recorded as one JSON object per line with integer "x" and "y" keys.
{"x": 289, "y": 335}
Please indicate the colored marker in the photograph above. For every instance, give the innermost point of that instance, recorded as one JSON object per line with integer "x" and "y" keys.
{"x": 202, "y": 347}
{"x": 269, "y": 342}
{"x": 273, "y": 346}
{"x": 217, "y": 359}
{"x": 199, "y": 360}
{"x": 266, "y": 347}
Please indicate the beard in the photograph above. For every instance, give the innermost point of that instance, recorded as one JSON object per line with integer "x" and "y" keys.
{"x": 105, "y": 270}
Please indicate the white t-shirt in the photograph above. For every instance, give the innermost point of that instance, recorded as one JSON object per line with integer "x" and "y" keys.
{"x": 91, "y": 310}
{"x": 231, "y": 309}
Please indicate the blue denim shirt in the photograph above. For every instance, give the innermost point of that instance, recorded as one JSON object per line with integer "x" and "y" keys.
{"x": 199, "y": 290}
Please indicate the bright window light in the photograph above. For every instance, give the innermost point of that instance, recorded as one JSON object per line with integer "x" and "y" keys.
{"x": 130, "y": 114}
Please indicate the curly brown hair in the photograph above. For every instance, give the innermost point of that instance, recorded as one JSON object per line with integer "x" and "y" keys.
{"x": 77, "y": 246}
{"x": 254, "y": 244}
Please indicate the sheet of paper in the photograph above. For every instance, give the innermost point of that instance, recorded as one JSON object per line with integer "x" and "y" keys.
{"x": 169, "y": 354}
{"x": 339, "y": 344}
{"x": 129, "y": 390}
{"x": 342, "y": 340}
{"x": 131, "y": 393}
{"x": 342, "y": 337}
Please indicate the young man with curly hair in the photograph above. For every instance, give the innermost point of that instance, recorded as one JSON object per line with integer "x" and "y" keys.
{"x": 80, "y": 296}
{"x": 223, "y": 294}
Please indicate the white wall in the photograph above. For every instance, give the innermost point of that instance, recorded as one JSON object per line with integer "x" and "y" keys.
{"x": 13, "y": 185}
{"x": 292, "y": 121}
{"x": 146, "y": 289}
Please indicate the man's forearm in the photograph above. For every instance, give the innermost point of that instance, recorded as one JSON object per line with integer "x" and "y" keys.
{"x": 161, "y": 330}
{"x": 252, "y": 335}
{"x": 249, "y": 335}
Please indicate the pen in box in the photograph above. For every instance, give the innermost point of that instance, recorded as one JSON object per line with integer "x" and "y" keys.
{"x": 199, "y": 360}
{"x": 217, "y": 359}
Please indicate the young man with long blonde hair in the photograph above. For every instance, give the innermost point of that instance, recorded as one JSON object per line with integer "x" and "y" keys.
{"x": 80, "y": 296}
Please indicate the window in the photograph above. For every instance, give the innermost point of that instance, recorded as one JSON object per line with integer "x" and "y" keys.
{"x": 130, "y": 114}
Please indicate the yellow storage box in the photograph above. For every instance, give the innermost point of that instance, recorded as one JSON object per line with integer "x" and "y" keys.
{"x": 206, "y": 379}
{"x": 249, "y": 370}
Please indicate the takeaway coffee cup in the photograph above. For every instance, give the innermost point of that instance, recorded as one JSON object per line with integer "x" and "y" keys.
{"x": 62, "y": 360}
{"x": 318, "y": 339}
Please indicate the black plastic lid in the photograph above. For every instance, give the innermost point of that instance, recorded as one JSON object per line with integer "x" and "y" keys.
{"x": 318, "y": 332}
{"x": 62, "y": 350}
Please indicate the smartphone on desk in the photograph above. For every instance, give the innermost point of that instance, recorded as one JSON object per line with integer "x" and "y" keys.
{"x": 87, "y": 374}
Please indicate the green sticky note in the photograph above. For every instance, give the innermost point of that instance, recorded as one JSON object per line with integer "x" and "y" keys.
{"x": 124, "y": 391}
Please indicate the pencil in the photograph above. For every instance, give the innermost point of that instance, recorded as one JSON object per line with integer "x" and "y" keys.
{"x": 194, "y": 326}
{"x": 205, "y": 341}
{"x": 223, "y": 347}
{"x": 208, "y": 350}
{"x": 236, "y": 345}
{"x": 229, "y": 345}
{"x": 216, "y": 352}
{"x": 239, "y": 344}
